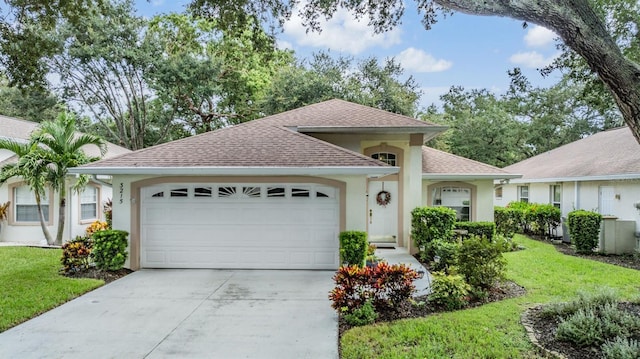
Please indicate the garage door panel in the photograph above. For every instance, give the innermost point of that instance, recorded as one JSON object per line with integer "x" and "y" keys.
{"x": 244, "y": 232}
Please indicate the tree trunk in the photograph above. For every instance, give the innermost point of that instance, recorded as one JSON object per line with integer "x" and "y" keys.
{"x": 61, "y": 211}
{"x": 43, "y": 225}
{"x": 584, "y": 32}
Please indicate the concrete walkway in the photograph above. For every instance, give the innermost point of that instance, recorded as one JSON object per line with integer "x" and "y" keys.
{"x": 188, "y": 314}
{"x": 400, "y": 255}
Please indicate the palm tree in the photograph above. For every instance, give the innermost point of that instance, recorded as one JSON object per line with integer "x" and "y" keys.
{"x": 32, "y": 171}
{"x": 60, "y": 148}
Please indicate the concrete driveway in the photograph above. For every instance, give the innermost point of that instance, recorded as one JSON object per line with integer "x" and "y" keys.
{"x": 188, "y": 314}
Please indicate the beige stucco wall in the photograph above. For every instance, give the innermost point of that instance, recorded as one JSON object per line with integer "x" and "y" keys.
{"x": 482, "y": 204}
{"x": 32, "y": 232}
{"x": 583, "y": 195}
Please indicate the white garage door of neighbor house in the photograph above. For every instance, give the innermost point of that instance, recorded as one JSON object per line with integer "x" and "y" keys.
{"x": 265, "y": 226}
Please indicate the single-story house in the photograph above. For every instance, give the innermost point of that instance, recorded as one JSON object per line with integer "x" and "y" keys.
{"x": 275, "y": 192}
{"x": 597, "y": 173}
{"x": 23, "y": 225}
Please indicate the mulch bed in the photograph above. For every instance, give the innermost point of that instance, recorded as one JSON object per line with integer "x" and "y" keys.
{"x": 106, "y": 276}
{"x": 627, "y": 261}
{"x": 544, "y": 331}
{"x": 503, "y": 290}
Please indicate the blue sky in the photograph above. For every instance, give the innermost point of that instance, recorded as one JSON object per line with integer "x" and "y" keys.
{"x": 460, "y": 50}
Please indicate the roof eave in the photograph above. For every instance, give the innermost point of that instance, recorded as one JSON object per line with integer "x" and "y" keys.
{"x": 373, "y": 171}
{"x": 468, "y": 176}
{"x": 376, "y": 129}
{"x": 626, "y": 176}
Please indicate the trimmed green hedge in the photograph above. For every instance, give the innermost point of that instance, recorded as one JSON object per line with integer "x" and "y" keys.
{"x": 480, "y": 229}
{"x": 353, "y": 247}
{"x": 431, "y": 223}
{"x": 584, "y": 230}
{"x": 536, "y": 218}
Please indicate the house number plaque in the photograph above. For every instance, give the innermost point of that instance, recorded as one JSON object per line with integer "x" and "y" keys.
{"x": 121, "y": 192}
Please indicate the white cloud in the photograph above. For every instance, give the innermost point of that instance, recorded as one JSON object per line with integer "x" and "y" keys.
{"x": 417, "y": 60}
{"x": 157, "y": 2}
{"x": 342, "y": 33}
{"x": 531, "y": 59}
{"x": 539, "y": 36}
{"x": 283, "y": 45}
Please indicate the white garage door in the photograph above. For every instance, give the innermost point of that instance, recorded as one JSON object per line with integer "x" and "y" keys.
{"x": 267, "y": 226}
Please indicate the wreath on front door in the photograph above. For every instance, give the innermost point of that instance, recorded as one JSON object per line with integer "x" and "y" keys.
{"x": 383, "y": 198}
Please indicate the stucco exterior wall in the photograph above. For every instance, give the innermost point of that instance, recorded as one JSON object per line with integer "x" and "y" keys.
{"x": 583, "y": 195}
{"x": 482, "y": 204}
{"x": 32, "y": 232}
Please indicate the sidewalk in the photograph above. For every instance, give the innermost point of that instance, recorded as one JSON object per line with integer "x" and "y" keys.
{"x": 400, "y": 255}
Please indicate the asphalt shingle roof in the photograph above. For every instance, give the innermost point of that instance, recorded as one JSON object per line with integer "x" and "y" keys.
{"x": 612, "y": 152}
{"x": 17, "y": 129}
{"x": 252, "y": 144}
{"x": 439, "y": 162}
{"x": 340, "y": 113}
{"x": 271, "y": 141}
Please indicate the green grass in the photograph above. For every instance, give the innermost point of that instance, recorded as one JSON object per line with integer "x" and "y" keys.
{"x": 492, "y": 330}
{"x": 30, "y": 284}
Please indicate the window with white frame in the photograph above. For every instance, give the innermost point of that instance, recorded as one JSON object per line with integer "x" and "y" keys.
{"x": 89, "y": 203}
{"x": 26, "y": 208}
{"x": 456, "y": 198}
{"x": 555, "y": 195}
{"x": 523, "y": 194}
{"x": 498, "y": 192}
{"x": 386, "y": 157}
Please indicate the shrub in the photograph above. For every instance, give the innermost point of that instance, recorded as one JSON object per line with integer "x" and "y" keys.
{"x": 595, "y": 325}
{"x": 505, "y": 244}
{"x": 604, "y": 296}
{"x": 96, "y": 226}
{"x": 507, "y": 221}
{"x": 544, "y": 218}
{"x": 445, "y": 254}
{"x": 364, "y": 315}
{"x": 109, "y": 249}
{"x": 621, "y": 348}
{"x": 449, "y": 291}
{"x": 480, "y": 262}
{"x": 353, "y": 247}
{"x": 584, "y": 230}
{"x": 582, "y": 329}
{"x": 520, "y": 214}
{"x": 431, "y": 223}
{"x": 480, "y": 229}
{"x": 75, "y": 255}
{"x": 385, "y": 285}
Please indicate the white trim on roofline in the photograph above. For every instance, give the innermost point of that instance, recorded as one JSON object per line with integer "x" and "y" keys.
{"x": 468, "y": 176}
{"x": 372, "y": 129}
{"x": 625, "y": 176}
{"x": 238, "y": 171}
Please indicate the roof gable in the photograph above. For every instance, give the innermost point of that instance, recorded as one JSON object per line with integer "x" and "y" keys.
{"x": 608, "y": 153}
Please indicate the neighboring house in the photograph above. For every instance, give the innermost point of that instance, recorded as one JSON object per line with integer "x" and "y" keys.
{"x": 598, "y": 173}
{"x": 275, "y": 192}
{"x": 23, "y": 224}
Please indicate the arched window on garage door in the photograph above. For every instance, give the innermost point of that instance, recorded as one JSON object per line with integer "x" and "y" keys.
{"x": 457, "y": 198}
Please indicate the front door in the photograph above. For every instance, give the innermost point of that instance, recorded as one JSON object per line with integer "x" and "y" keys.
{"x": 383, "y": 211}
{"x": 606, "y": 200}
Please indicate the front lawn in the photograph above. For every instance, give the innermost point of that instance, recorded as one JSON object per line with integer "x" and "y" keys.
{"x": 30, "y": 284}
{"x": 492, "y": 330}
